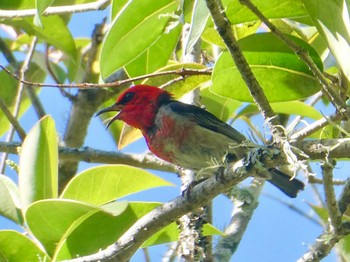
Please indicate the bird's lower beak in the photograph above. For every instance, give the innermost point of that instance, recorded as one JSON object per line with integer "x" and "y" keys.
{"x": 115, "y": 107}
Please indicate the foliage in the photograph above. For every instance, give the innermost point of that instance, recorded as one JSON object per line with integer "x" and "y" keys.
{"x": 147, "y": 37}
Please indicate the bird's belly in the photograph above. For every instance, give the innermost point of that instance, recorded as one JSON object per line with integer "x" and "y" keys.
{"x": 192, "y": 147}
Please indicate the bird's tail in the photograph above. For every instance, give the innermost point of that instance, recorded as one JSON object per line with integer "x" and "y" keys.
{"x": 289, "y": 186}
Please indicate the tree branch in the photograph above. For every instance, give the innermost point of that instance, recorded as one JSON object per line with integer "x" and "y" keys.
{"x": 223, "y": 26}
{"x": 90, "y": 155}
{"x": 56, "y": 10}
{"x": 332, "y": 205}
{"x": 315, "y": 149}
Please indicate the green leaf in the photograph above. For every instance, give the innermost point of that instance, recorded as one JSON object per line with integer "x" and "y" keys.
{"x": 282, "y": 75}
{"x": 54, "y": 32}
{"x": 16, "y": 247}
{"x": 41, "y": 6}
{"x": 290, "y": 108}
{"x": 49, "y": 219}
{"x": 117, "y": 6}
{"x": 200, "y": 17}
{"x": 321, "y": 212}
{"x": 332, "y": 20}
{"x": 343, "y": 247}
{"x": 8, "y": 92}
{"x": 102, "y": 184}
{"x": 238, "y": 13}
{"x": 296, "y": 108}
{"x": 170, "y": 233}
{"x": 9, "y": 200}
{"x": 157, "y": 55}
{"x": 17, "y": 4}
{"x": 38, "y": 174}
{"x": 101, "y": 229}
{"x": 133, "y": 31}
{"x": 211, "y": 36}
{"x": 220, "y": 106}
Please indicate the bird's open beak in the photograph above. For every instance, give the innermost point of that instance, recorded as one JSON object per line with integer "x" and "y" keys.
{"x": 115, "y": 107}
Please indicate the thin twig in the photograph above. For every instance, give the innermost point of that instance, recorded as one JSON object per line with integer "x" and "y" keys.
{"x": 7, "y": 53}
{"x": 18, "y": 99}
{"x": 184, "y": 72}
{"x": 13, "y": 120}
{"x": 55, "y": 10}
{"x": 314, "y": 99}
{"x": 315, "y": 126}
{"x": 315, "y": 180}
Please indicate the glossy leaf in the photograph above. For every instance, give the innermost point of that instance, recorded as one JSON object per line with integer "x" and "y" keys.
{"x": 343, "y": 247}
{"x": 116, "y": 7}
{"x": 170, "y": 233}
{"x": 321, "y": 212}
{"x": 9, "y": 90}
{"x": 128, "y": 135}
{"x": 14, "y": 246}
{"x": 38, "y": 175}
{"x": 199, "y": 19}
{"x": 101, "y": 229}
{"x": 220, "y": 106}
{"x": 290, "y": 108}
{"x": 282, "y": 75}
{"x": 102, "y": 184}
{"x": 333, "y": 22}
{"x": 238, "y": 13}
{"x": 9, "y": 200}
{"x": 157, "y": 55}
{"x": 49, "y": 220}
{"x": 240, "y": 31}
{"x": 133, "y": 31}
{"x": 54, "y": 31}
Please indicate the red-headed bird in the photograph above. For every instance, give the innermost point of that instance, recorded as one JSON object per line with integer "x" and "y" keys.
{"x": 187, "y": 135}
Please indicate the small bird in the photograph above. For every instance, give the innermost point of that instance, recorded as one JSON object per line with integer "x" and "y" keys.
{"x": 186, "y": 135}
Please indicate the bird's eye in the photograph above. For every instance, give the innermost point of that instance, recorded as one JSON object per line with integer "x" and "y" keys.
{"x": 127, "y": 98}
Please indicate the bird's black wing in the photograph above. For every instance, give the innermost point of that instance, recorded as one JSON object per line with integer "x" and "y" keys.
{"x": 206, "y": 120}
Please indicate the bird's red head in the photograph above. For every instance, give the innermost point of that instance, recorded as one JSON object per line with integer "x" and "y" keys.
{"x": 138, "y": 106}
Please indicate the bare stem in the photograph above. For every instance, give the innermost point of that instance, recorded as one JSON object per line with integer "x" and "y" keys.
{"x": 184, "y": 72}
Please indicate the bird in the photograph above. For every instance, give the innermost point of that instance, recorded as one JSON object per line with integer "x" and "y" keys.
{"x": 186, "y": 135}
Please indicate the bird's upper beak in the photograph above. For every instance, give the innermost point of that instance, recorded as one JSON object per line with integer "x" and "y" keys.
{"x": 115, "y": 107}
